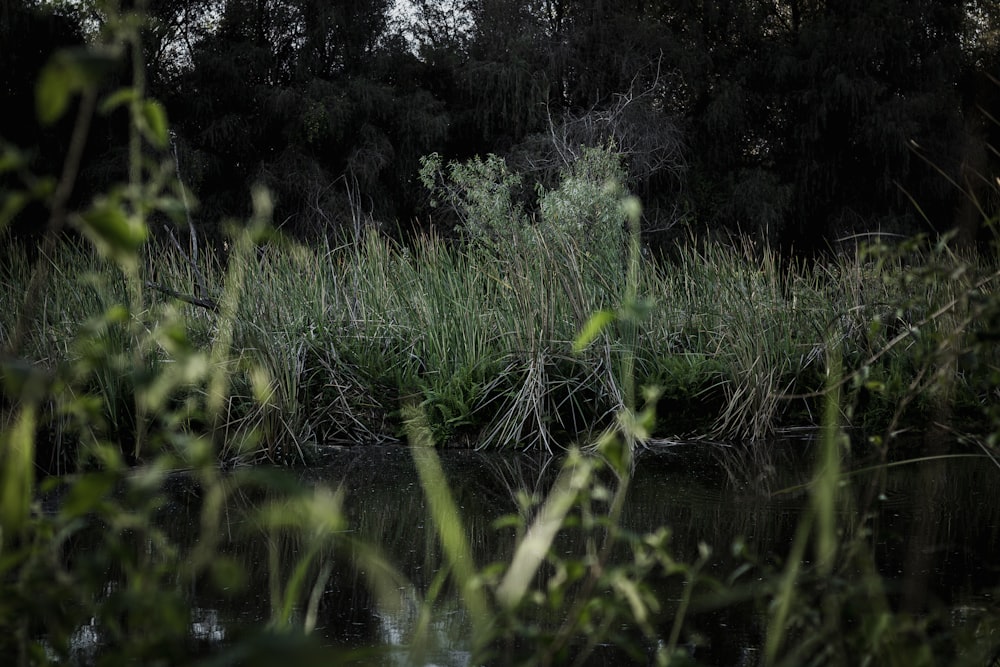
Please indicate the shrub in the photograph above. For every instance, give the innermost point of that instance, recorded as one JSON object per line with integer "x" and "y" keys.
{"x": 586, "y": 207}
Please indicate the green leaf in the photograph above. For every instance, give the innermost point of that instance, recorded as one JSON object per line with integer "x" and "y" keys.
{"x": 630, "y": 591}
{"x": 12, "y": 205}
{"x": 593, "y": 328}
{"x": 57, "y": 82}
{"x": 172, "y": 207}
{"x": 632, "y": 208}
{"x": 155, "y": 125}
{"x": 647, "y": 421}
{"x": 11, "y": 159}
{"x": 508, "y": 521}
{"x": 575, "y": 475}
{"x": 615, "y": 452}
{"x": 120, "y": 97}
{"x": 87, "y": 494}
{"x": 637, "y": 309}
{"x": 42, "y": 187}
{"x": 113, "y": 233}
{"x": 17, "y": 473}
{"x": 68, "y": 72}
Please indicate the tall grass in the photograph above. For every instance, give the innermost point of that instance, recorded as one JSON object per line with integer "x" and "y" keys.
{"x": 758, "y": 321}
{"x": 328, "y": 341}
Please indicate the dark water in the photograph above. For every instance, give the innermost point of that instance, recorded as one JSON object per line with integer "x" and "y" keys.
{"x": 935, "y": 531}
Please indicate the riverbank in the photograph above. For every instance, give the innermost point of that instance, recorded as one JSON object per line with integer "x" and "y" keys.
{"x": 327, "y": 342}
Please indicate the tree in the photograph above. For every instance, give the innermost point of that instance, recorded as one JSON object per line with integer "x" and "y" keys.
{"x": 317, "y": 100}
{"x": 30, "y": 34}
{"x": 799, "y": 121}
{"x": 866, "y": 82}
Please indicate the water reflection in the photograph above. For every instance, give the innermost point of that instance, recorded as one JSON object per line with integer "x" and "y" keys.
{"x": 938, "y": 539}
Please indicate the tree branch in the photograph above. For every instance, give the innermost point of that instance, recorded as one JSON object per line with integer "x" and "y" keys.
{"x": 207, "y": 303}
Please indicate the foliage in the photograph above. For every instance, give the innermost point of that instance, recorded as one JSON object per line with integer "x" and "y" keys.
{"x": 86, "y": 573}
{"x": 795, "y": 122}
{"x": 147, "y": 383}
{"x": 735, "y": 340}
{"x": 951, "y": 332}
{"x": 585, "y": 205}
{"x": 579, "y": 602}
{"x": 313, "y": 100}
{"x": 482, "y": 194}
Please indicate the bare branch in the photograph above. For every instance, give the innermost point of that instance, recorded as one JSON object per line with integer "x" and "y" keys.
{"x": 209, "y": 304}
{"x": 633, "y": 124}
{"x": 199, "y": 277}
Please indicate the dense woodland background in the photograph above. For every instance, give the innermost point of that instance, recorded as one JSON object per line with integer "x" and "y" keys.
{"x": 798, "y": 122}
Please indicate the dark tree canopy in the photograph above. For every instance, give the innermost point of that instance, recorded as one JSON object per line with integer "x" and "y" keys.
{"x": 28, "y": 35}
{"x": 798, "y": 121}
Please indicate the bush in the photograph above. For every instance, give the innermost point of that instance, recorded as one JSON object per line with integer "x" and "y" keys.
{"x": 586, "y": 207}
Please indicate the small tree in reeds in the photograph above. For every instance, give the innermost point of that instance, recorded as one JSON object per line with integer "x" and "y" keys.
{"x": 549, "y": 272}
{"x": 584, "y": 206}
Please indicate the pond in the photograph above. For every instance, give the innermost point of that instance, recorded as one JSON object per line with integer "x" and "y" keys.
{"x": 934, "y": 526}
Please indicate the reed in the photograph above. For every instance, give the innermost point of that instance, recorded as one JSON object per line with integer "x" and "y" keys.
{"x": 327, "y": 342}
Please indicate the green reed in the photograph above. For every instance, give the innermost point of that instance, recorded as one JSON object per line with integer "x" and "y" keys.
{"x": 337, "y": 338}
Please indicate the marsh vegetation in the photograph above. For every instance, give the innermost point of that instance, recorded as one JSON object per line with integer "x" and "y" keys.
{"x": 136, "y": 370}
{"x": 328, "y": 343}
